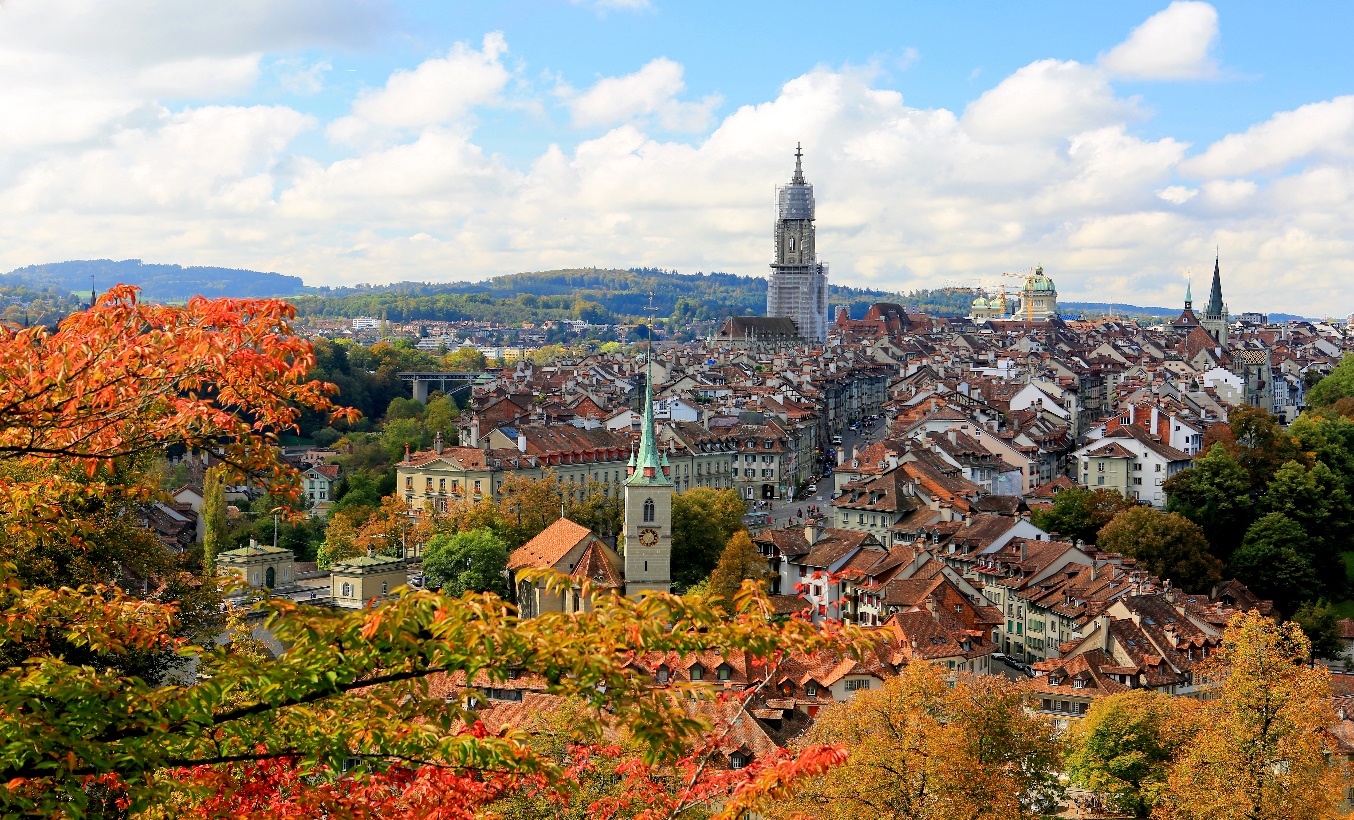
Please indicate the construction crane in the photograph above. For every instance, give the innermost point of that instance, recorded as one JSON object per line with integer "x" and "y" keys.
{"x": 1029, "y": 305}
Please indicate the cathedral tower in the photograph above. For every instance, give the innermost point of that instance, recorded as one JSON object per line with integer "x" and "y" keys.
{"x": 797, "y": 286}
{"x": 648, "y": 511}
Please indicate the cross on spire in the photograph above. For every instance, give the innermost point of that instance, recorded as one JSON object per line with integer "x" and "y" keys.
{"x": 799, "y": 169}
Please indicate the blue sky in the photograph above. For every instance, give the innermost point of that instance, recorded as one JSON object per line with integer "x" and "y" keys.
{"x": 365, "y": 140}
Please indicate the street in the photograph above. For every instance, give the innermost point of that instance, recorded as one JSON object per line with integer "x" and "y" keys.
{"x": 786, "y": 513}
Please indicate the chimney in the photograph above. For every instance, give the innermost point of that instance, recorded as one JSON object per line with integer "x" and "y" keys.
{"x": 437, "y": 443}
{"x": 952, "y": 436}
{"x": 371, "y": 552}
{"x": 406, "y": 451}
{"x": 811, "y": 534}
{"x": 1103, "y": 624}
{"x": 521, "y": 442}
{"x": 931, "y": 604}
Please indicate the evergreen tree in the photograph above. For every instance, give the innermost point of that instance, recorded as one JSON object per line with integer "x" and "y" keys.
{"x": 214, "y": 539}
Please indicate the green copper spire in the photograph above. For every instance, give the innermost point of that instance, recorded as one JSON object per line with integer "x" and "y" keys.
{"x": 1189, "y": 293}
{"x": 650, "y": 466}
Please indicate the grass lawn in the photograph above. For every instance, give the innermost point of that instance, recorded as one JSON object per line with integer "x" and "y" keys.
{"x": 1345, "y": 608}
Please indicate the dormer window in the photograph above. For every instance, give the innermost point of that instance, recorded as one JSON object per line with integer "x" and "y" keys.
{"x": 1078, "y": 683}
{"x": 662, "y": 675}
{"x": 725, "y": 671}
{"x": 697, "y": 672}
{"x": 810, "y": 690}
{"x": 737, "y": 760}
{"x": 1054, "y": 680}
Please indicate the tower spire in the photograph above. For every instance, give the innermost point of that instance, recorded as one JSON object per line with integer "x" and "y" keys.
{"x": 799, "y": 168}
{"x": 1189, "y": 292}
{"x": 650, "y": 465}
{"x": 1214, "y": 308}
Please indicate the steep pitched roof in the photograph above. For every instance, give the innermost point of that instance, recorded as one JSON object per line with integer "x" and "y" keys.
{"x": 547, "y": 549}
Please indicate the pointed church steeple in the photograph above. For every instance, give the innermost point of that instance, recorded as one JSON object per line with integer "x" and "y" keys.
{"x": 648, "y": 463}
{"x": 798, "y": 178}
{"x": 1215, "y": 306}
{"x": 1189, "y": 294}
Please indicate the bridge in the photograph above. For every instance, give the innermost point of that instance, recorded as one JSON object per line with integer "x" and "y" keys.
{"x": 420, "y": 379}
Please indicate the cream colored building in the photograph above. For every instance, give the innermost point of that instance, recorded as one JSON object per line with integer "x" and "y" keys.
{"x": 356, "y": 581}
{"x": 260, "y": 565}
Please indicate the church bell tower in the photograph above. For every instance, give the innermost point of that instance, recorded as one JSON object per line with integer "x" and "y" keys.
{"x": 648, "y": 510}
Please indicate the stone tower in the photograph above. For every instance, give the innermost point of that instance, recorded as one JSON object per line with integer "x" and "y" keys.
{"x": 797, "y": 286}
{"x": 648, "y": 512}
{"x": 1215, "y": 315}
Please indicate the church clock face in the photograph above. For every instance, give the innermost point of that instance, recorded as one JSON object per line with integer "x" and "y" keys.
{"x": 648, "y": 536}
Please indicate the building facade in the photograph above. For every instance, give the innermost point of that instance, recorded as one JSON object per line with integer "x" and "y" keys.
{"x": 797, "y": 286}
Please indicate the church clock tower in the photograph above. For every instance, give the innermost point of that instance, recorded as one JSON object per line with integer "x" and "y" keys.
{"x": 648, "y": 512}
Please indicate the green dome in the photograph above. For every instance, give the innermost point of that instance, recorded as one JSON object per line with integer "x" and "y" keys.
{"x": 980, "y": 302}
{"x": 1039, "y": 282}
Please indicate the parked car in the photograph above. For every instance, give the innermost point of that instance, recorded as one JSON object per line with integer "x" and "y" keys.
{"x": 813, "y": 488}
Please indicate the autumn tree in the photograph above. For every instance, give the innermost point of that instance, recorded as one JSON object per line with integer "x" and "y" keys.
{"x": 921, "y": 749}
{"x": 739, "y": 562}
{"x": 1126, "y": 744}
{"x": 1261, "y": 748}
{"x": 1167, "y": 545}
{"x": 1080, "y": 513}
{"x": 270, "y": 737}
{"x": 214, "y": 516}
{"x": 1215, "y": 493}
{"x": 703, "y": 521}
{"x": 1262, "y": 445}
{"x": 470, "y": 561}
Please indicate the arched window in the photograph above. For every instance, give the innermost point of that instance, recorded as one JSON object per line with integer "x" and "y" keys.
{"x": 346, "y": 591}
{"x": 648, "y": 510}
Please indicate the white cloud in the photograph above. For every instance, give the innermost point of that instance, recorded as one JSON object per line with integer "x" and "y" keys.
{"x": 1315, "y": 130}
{"x": 200, "y": 77}
{"x": 298, "y": 78}
{"x": 1045, "y": 167}
{"x": 1173, "y": 44}
{"x": 1046, "y": 99}
{"x": 1177, "y": 194}
{"x": 439, "y": 91}
{"x": 650, "y": 92}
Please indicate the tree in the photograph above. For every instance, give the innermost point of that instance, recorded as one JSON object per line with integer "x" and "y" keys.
{"x": 399, "y": 434}
{"x": 739, "y": 562}
{"x": 1273, "y": 561}
{"x": 1215, "y": 493}
{"x": 472, "y": 561}
{"x": 1080, "y": 513}
{"x": 1125, "y": 745}
{"x": 703, "y": 521}
{"x": 352, "y": 687}
{"x": 1319, "y": 624}
{"x": 340, "y": 539}
{"x": 920, "y": 749}
{"x": 214, "y": 515}
{"x": 1338, "y": 384}
{"x": 1261, "y": 748}
{"x": 1168, "y": 545}
{"x": 1315, "y": 498}
{"x": 1262, "y": 445}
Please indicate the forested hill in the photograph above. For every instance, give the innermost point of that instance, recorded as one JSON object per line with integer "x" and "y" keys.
{"x": 594, "y": 294}
{"x": 158, "y": 283}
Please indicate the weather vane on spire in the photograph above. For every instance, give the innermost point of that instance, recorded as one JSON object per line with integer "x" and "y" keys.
{"x": 652, "y": 310}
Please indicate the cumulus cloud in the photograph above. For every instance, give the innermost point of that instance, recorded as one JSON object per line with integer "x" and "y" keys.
{"x": 439, "y": 91}
{"x": 1173, "y": 44}
{"x": 650, "y": 92}
{"x": 1315, "y": 130}
{"x": 1044, "y": 168}
{"x": 1046, "y": 99}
